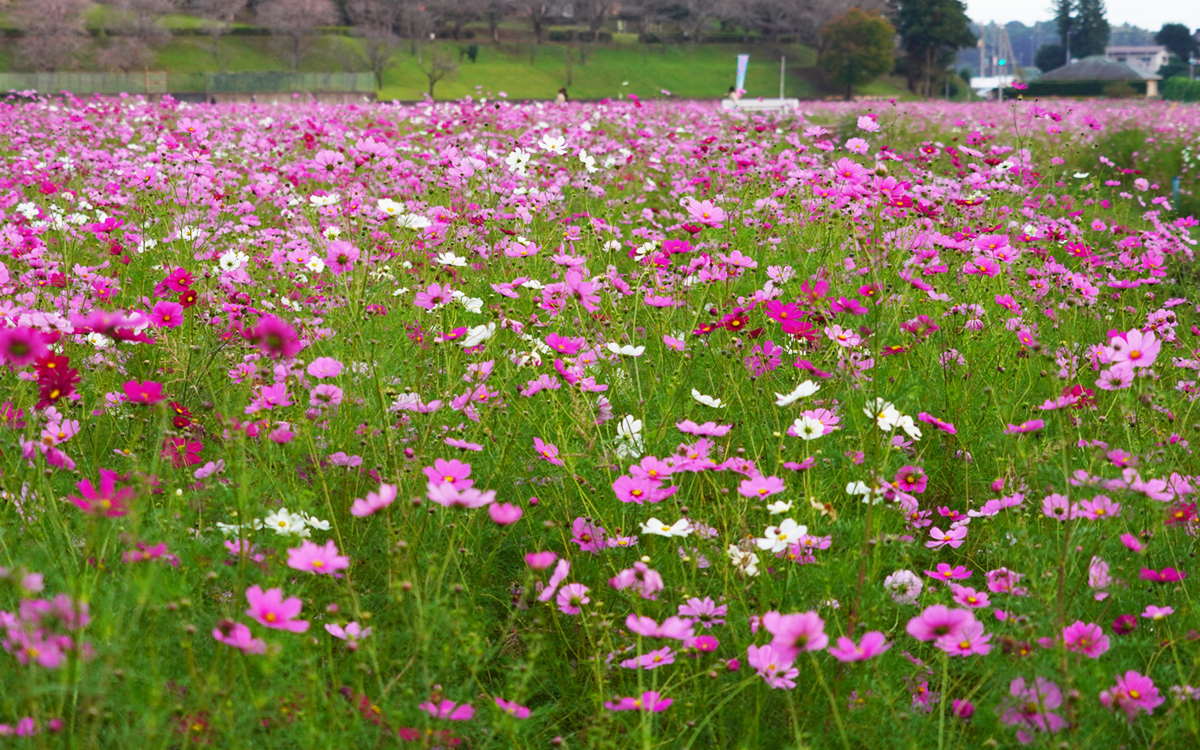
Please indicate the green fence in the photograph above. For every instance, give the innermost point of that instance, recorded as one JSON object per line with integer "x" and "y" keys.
{"x": 163, "y": 82}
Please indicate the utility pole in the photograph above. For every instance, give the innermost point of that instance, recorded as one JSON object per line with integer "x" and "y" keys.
{"x": 781, "y": 61}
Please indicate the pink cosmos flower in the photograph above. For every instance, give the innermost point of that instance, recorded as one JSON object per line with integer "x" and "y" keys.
{"x": 969, "y": 597}
{"x": 1032, "y": 707}
{"x": 1135, "y": 349}
{"x": 704, "y": 611}
{"x": 512, "y": 709}
{"x": 969, "y": 640}
{"x": 1133, "y": 694}
{"x": 1131, "y": 542}
{"x": 1032, "y": 425}
{"x": 504, "y": 514}
{"x": 236, "y": 635}
{"x": 873, "y": 644}
{"x": 21, "y": 346}
{"x": 444, "y": 494}
{"x": 374, "y": 502}
{"x": 653, "y": 660}
{"x": 954, "y": 537}
{"x": 938, "y": 621}
{"x": 649, "y": 701}
{"x": 640, "y": 578}
{"x": 540, "y": 560}
{"x": 560, "y": 574}
{"x": 324, "y": 367}
{"x": 316, "y": 558}
{"x": 270, "y": 609}
{"x": 708, "y": 429}
{"x": 167, "y": 315}
{"x": 448, "y": 709}
{"x": 1085, "y": 638}
{"x": 773, "y": 666}
{"x": 341, "y": 256}
{"x": 452, "y": 472}
{"x": 674, "y": 628}
{"x": 572, "y": 597}
{"x": 760, "y": 487}
{"x": 1157, "y": 613}
{"x": 796, "y": 632}
{"x": 1166, "y": 575}
{"x": 547, "y": 452}
{"x": 276, "y": 338}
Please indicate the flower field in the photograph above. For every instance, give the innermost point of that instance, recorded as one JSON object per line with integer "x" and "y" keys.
{"x": 630, "y": 424}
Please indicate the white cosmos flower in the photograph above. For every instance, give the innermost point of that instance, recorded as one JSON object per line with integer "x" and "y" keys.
{"x": 869, "y": 495}
{"x": 390, "y": 207}
{"x": 285, "y": 523}
{"x": 808, "y": 428}
{"x": 886, "y": 415}
{"x": 450, "y": 259}
{"x": 743, "y": 559}
{"x": 804, "y": 390}
{"x": 555, "y": 144}
{"x": 323, "y": 200}
{"x": 707, "y": 400}
{"x": 412, "y": 221}
{"x": 588, "y": 161}
{"x": 777, "y": 538}
{"x": 627, "y": 350}
{"x": 906, "y": 423}
{"x": 315, "y": 264}
{"x": 612, "y": 245}
{"x": 680, "y": 528}
{"x": 478, "y": 335}
{"x": 778, "y": 507}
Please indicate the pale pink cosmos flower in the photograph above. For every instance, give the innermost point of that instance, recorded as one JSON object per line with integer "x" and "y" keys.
{"x": 572, "y": 597}
{"x": 271, "y": 610}
{"x": 324, "y": 367}
{"x": 452, "y": 472}
{"x": 796, "y": 632}
{"x": 351, "y": 634}
{"x": 547, "y": 451}
{"x": 1157, "y": 613}
{"x": 504, "y": 514}
{"x": 316, "y": 558}
{"x": 704, "y": 611}
{"x": 560, "y": 574}
{"x": 873, "y": 644}
{"x": 640, "y": 578}
{"x": 674, "y": 628}
{"x": 445, "y": 494}
{"x": 1135, "y": 349}
{"x": 652, "y": 660}
{"x": 540, "y": 560}
{"x": 954, "y": 537}
{"x": 649, "y": 701}
{"x": 374, "y": 502}
{"x": 773, "y": 666}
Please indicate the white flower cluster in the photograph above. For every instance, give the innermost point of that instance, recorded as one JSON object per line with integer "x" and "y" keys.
{"x": 283, "y": 521}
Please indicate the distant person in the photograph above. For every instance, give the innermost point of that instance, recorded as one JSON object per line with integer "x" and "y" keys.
{"x": 562, "y": 96}
{"x": 734, "y": 93}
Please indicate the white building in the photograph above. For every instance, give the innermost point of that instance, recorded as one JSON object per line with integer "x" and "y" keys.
{"x": 1145, "y": 60}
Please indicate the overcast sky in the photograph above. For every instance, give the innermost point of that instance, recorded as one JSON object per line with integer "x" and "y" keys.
{"x": 1148, "y": 14}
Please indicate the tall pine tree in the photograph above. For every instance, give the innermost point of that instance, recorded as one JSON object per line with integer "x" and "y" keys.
{"x": 1092, "y": 29}
{"x": 1064, "y": 21}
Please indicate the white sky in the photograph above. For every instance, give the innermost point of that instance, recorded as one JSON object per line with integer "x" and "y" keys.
{"x": 1148, "y": 14}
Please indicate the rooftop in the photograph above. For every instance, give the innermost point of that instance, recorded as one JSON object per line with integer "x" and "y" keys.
{"x": 1095, "y": 68}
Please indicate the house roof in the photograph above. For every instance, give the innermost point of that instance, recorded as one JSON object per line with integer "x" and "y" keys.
{"x": 1134, "y": 50}
{"x": 1095, "y": 68}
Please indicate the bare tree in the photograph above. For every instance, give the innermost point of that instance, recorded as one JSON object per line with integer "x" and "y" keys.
{"x": 293, "y": 23}
{"x": 52, "y": 32}
{"x": 495, "y": 11}
{"x": 592, "y": 13}
{"x": 416, "y": 25}
{"x": 218, "y": 18}
{"x": 699, "y": 14}
{"x": 456, "y": 13}
{"x": 539, "y": 13}
{"x": 138, "y": 32}
{"x": 375, "y": 22}
{"x": 441, "y": 65}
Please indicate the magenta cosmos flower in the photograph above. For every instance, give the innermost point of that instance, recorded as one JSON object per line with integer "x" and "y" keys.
{"x": 148, "y": 392}
{"x": 512, "y": 708}
{"x": 1085, "y": 638}
{"x": 167, "y": 314}
{"x": 572, "y": 597}
{"x": 107, "y": 501}
{"x": 1032, "y": 707}
{"x": 505, "y": 514}
{"x": 939, "y": 621}
{"x": 21, "y": 346}
{"x": 316, "y": 558}
{"x": 969, "y": 640}
{"x": 1132, "y": 694}
{"x": 540, "y": 560}
{"x": 236, "y": 635}
{"x": 448, "y": 710}
{"x": 774, "y": 667}
{"x": 270, "y": 609}
{"x": 872, "y": 644}
{"x": 650, "y": 701}
{"x": 452, "y": 472}
{"x": 547, "y": 451}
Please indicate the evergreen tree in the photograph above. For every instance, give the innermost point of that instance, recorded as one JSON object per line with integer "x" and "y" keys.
{"x": 1064, "y": 21}
{"x": 1093, "y": 31}
{"x": 856, "y": 48}
{"x": 932, "y": 31}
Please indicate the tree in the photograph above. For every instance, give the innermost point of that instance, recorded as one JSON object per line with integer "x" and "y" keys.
{"x": 52, "y": 33}
{"x": 374, "y": 22}
{"x": 856, "y": 48}
{"x": 932, "y": 31}
{"x": 218, "y": 18}
{"x": 539, "y": 13}
{"x": 293, "y": 22}
{"x": 1176, "y": 38}
{"x": 1050, "y": 57}
{"x": 139, "y": 31}
{"x": 441, "y": 65}
{"x": 1093, "y": 30}
{"x": 1064, "y": 21}
{"x": 495, "y": 11}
